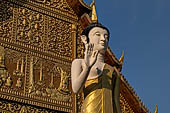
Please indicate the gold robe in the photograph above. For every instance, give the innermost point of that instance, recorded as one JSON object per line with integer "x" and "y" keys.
{"x": 102, "y": 93}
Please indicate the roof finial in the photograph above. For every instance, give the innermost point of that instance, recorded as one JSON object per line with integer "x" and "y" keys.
{"x": 122, "y": 58}
{"x": 156, "y": 109}
{"x": 94, "y": 14}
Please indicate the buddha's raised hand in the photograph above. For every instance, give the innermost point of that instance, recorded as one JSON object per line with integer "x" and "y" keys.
{"x": 90, "y": 56}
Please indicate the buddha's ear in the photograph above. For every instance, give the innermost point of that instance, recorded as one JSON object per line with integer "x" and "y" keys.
{"x": 84, "y": 39}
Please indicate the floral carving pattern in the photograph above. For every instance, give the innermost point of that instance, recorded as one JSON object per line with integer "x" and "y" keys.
{"x": 6, "y": 20}
{"x": 30, "y": 27}
{"x": 36, "y": 30}
{"x": 80, "y": 46}
{"x": 58, "y": 4}
{"x": 59, "y": 37}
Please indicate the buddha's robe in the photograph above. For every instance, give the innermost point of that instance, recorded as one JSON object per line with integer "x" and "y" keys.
{"x": 102, "y": 93}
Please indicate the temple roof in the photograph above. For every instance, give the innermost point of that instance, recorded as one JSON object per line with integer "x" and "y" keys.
{"x": 79, "y": 7}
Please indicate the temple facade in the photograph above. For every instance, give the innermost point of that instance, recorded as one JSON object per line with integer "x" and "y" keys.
{"x": 39, "y": 39}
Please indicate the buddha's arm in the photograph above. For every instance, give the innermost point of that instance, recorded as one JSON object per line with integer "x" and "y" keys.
{"x": 79, "y": 75}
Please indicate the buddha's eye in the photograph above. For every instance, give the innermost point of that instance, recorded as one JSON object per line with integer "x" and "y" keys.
{"x": 98, "y": 34}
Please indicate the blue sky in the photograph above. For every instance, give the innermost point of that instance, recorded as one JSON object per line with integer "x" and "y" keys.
{"x": 142, "y": 29}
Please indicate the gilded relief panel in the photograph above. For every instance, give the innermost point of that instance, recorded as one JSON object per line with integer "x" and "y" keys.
{"x": 48, "y": 79}
{"x": 36, "y": 31}
{"x": 80, "y": 46}
{"x": 59, "y": 37}
{"x": 14, "y": 107}
{"x": 5, "y": 10}
{"x": 58, "y": 4}
{"x": 6, "y": 19}
{"x": 35, "y": 56}
{"x": 34, "y": 75}
{"x": 27, "y": 74}
{"x": 30, "y": 27}
{"x": 47, "y": 33}
{"x": 15, "y": 65}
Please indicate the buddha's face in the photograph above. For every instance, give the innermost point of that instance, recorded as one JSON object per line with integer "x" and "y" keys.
{"x": 99, "y": 37}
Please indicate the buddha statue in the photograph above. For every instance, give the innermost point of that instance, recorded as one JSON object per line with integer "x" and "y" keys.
{"x": 99, "y": 81}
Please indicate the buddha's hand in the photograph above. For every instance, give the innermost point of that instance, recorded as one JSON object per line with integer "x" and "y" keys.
{"x": 90, "y": 56}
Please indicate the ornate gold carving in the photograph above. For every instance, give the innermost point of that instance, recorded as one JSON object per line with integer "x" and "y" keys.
{"x": 58, "y": 4}
{"x": 23, "y": 110}
{"x": 30, "y": 27}
{"x": 41, "y": 73}
{"x": 80, "y": 46}
{"x": 37, "y": 72}
{"x": 62, "y": 93}
{"x": 13, "y": 69}
{"x": 6, "y": 14}
{"x": 3, "y": 70}
{"x": 74, "y": 38}
{"x": 20, "y": 67}
{"x": 19, "y": 83}
{"x": 61, "y": 11}
{"x": 80, "y": 98}
{"x": 1, "y": 82}
{"x": 34, "y": 43}
{"x": 8, "y": 82}
{"x": 125, "y": 108}
{"x": 14, "y": 107}
{"x": 33, "y": 61}
{"x": 59, "y": 36}
{"x": 64, "y": 82}
{"x": 4, "y": 75}
{"x": 5, "y": 10}
{"x": 39, "y": 84}
{"x": 38, "y": 32}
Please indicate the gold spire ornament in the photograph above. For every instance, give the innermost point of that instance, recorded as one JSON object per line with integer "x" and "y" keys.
{"x": 156, "y": 109}
{"x": 94, "y": 14}
{"x": 122, "y": 58}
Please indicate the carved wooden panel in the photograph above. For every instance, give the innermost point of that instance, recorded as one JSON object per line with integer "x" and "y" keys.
{"x": 36, "y": 51}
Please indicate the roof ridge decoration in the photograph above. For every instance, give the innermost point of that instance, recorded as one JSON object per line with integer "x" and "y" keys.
{"x": 122, "y": 58}
{"x": 156, "y": 109}
{"x": 94, "y": 14}
{"x": 133, "y": 92}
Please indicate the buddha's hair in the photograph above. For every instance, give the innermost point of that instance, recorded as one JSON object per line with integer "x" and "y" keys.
{"x": 91, "y": 26}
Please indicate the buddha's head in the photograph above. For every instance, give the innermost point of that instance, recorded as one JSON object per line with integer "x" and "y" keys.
{"x": 98, "y": 35}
